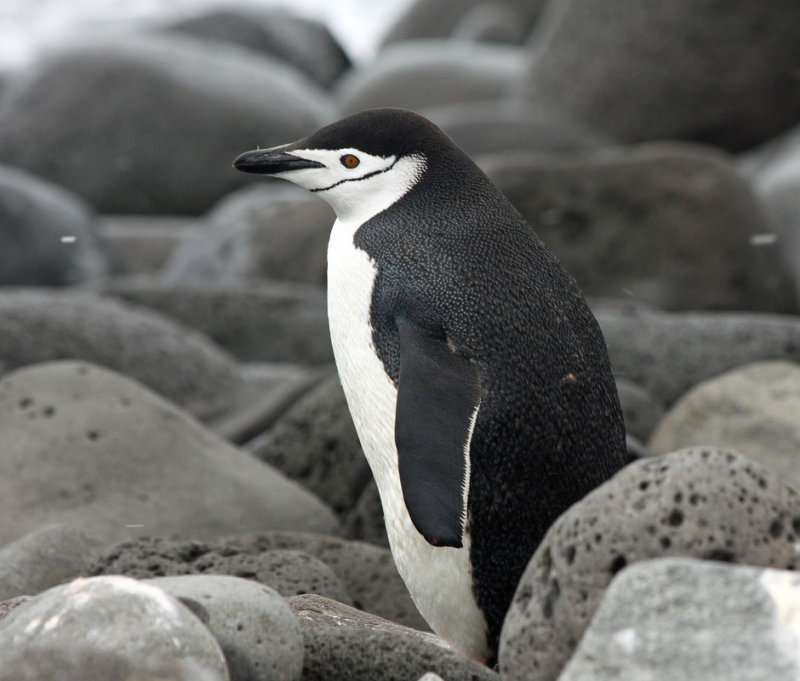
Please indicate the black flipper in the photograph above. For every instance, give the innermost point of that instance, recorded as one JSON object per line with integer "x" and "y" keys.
{"x": 437, "y": 393}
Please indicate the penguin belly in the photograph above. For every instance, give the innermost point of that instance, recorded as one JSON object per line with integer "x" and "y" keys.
{"x": 439, "y": 579}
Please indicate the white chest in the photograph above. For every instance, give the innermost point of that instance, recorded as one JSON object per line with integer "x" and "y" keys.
{"x": 439, "y": 579}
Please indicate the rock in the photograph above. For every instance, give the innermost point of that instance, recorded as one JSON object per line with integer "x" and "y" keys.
{"x": 648, "y": 622}
{"x": 423, "y": 74}
{"x": 663, "y": 71}
{"x": 254, "y": 626}
{"x": 137, "y": 244}
{"x": 174, "y": 113}
{"x": 364, "y": 521}
{"x": 304, "y": 43}
{"x": 256, "y": 321}
{"x": 367, "y": 572}
{"x": 640, "y": 410}
{"x": 667, "y": 354}
{"x": 669, "y": 224}
{"x": 47, "y": 235}
{"x": 752, "y": 409}
{"x": 178, "y": 363}
{"x": 315, "y": 443}
{"x": 48, "y": 556}
{"x": 94, "y": 449}
{"x": 10, "y": 604}
{"x": 259, "y": 232}
{"x": 94, "y": 629}
{"x": 342, "y": 642}
{"x": 698, "y": 503}
{"x": 492, "y": 22}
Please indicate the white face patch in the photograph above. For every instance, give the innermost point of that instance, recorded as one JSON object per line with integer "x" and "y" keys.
{"x": 356, "y": 193}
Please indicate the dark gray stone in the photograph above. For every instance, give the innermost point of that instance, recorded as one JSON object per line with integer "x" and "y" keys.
{"x": 677, "y": 618}
{"x": 667, "y": 354}
{"x": 173, "y": 114}
{"x": 254, "y": 626}
{"x": 669, "y": 224}
{"x": 640, "y": 410}
{"x": 262, "y": 232}
{"x": 644, "y": 71}
{"x": 91, "y": 448}
{"x": 364, "y": 521}
{"x": 702, "y": 503}
{"x": 304, "y": 43}
{"x": 344, "y": 643}
{"x": 95, "y": 629}
{"x": 47, "y": 234}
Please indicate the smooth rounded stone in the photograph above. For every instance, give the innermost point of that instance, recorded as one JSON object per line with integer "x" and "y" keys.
{"x": 91, "y": 448}
{"x": 112, "y": 628}
{"x": 174, "y": 112}
{"x": 668, "y": 353}
{"x": 421, "y": 74}
{"x": 640, "y": 410}
{"x": 663, "y": 70}
{"x": 648, "y": 624}
{"x": 50, "y": 555}
{"x": 179, "y": 363}
{"x": 753, "y": 409}
{"x": 315, "y": 443}
{"x": 253, "y": 624}
{"x": 342, "y": 642}
{"x": 48, "y": 235}
{"x": 304, "y": 43}
{"x": 488, "y": 127}
{"x": 669, "y": 224}
{"x": 10, "y": 604}
{"x": 365, "y": 521}
{"x": 697, "y": 503}
{"x": 141, "y": 243}
{"x": 367, "y": 572}
{"x": 492, "y": 22}
{"x": 256, "y": 321}
{"x": 260, "y": 232}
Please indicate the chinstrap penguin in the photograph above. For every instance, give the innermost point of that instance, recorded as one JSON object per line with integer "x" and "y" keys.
{"x": 476, "y": 375}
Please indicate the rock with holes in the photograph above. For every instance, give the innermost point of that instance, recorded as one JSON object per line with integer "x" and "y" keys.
{"x": 697, "y": 503}
{"x": 269, "y": 231}
{"x": 662, "y": 70}
{"x": 677, "y": 618}
{"x": 753, "y": 409}
{"x": 50, "y": 555}
{"x": 669, "y": 353}
{"x": 344, "y": 643}
{"x": 88, "y": 447}
{"x": 95, "y": 629}
{"x": 252, "y": 623}
{"x": 670, "y": 225}
{"x": 315, "y": 443}
{"x": 367, "y": 572}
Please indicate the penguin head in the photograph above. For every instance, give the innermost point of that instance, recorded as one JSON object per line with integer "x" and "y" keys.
{"x": 360, "y": 165}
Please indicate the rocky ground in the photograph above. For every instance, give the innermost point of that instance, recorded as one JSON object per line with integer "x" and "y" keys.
{"x": 182, "y": 493}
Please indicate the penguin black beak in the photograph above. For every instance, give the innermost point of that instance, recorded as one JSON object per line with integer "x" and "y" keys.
{"x": 272, "y": 161}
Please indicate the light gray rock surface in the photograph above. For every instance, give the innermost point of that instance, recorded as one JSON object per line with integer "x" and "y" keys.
{"x": 701, "y": 503}
{"x": 88, "y": 447}
{"x": 692, "y": 620}
{"x": 253, "y": 624}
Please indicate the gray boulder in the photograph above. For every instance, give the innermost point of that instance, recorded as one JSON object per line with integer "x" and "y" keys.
{"x": 254, "y": 626}
{"x": 492, "y": 22}
{"x": 702, "y": 503}
{"x": 95, "y": 629}
{"x": 667, "y": 354}
{"x": 365, "y": 521}
{"x": 88, "y": 447}
{"x": 670, "y": 225}
{"x": 640, "y": 410}
{"x": 664, "y": 70}
{"x": 150, "y": 124}
{"x": 344, "y": 643}
{"x": 753, "y": 409}
{"x": 677, "y": 618}
{"x": 422, "y": 74}
{"x": 48, "y": 236}
{"x": 304, "y": 43}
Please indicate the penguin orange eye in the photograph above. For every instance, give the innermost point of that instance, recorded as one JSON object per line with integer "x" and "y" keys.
{"x": 350, "y": 161}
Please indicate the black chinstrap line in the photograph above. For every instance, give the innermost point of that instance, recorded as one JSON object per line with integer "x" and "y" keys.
{"x": 358, "y": 179}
